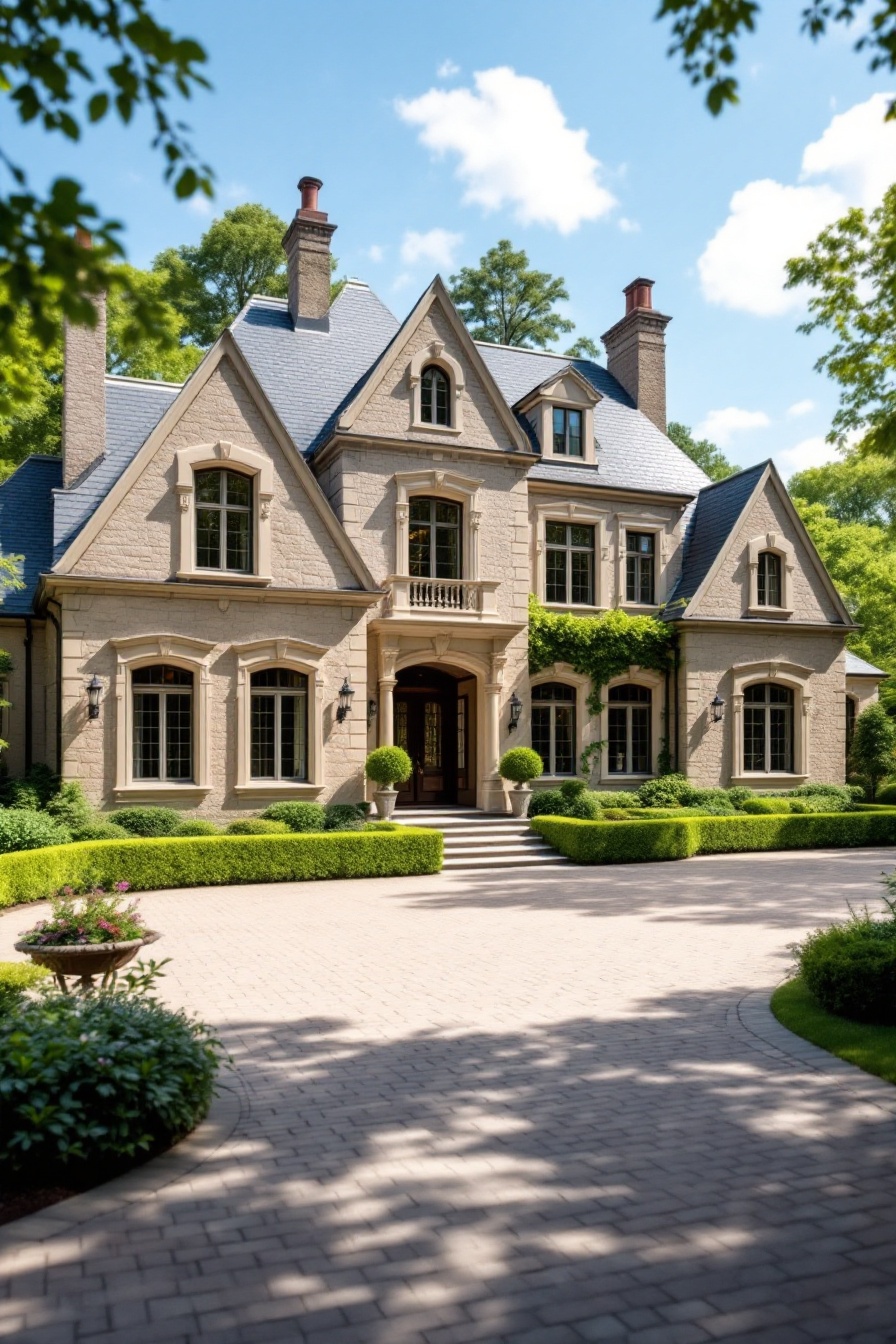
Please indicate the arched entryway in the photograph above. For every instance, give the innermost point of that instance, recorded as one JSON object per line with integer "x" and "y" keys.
{"x": 435, "y": 722}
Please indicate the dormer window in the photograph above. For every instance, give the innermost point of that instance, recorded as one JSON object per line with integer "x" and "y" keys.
{"x": 768, "y": 580}
{"x": 435, "y": 406}
{"x": 567, "y": 432}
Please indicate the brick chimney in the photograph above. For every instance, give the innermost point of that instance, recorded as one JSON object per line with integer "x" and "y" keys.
{"x": 636, "y": 351}
{"x": 84, "y": 390}
{"x": 307, "y": 247}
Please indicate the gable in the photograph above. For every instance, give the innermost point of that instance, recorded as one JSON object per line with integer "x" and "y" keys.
{"x": 135, "y": 533}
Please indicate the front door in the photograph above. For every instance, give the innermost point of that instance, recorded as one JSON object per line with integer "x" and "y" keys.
{"x": 426, "y": 727}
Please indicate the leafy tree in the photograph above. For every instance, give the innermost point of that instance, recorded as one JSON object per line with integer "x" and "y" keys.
{"x": 851, "y": 273}
{"x": 583, "y": 348}
{"x": 706, "y": 35}
{"x": 708, "y": 456}
{"x": 858, "y": 489}
{"x": 161, "y": 353}
{"x": 873, "y": 750}
{"x": 503, "y": 301}
{"x": 31, "y": 422}
{"x": 49, "y": 77}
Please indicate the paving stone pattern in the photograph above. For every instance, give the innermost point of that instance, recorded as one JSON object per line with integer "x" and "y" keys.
{"x": 533, "y": 1107}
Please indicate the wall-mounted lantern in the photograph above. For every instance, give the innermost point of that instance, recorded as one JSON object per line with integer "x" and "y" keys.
{"x": 717, "y": 709}
{"x": 516, "y": 709}
{"x": 371, "y": 711}
{"x": 346, "y": 691}
{"x": 94, "y": 696}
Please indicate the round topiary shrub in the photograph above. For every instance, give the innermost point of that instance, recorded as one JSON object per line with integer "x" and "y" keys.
{"x": 547, "y": 803}
{"x": 663, "y": 792}
{"x": 103, "y": 830}
{"x": 298, "y": 816}
{"x": 584, "y": 805}
{"x": 127, "y": 1078}
{"x": 196, "y": 826}
{"x": 257, "y": 826}
{"x": 149, "y": 822}
{"x": 851, "y": 969}
{"x": 343, "y": 817}
{"x": 388, "y": 765}
{"x": 20, "y": 828}
{"x": 520, "y": 765}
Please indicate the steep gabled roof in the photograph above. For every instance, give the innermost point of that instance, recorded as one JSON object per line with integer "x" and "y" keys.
{"x": 26, "y": 525}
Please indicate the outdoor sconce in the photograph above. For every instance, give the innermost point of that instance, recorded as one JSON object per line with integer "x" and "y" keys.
{"x": 717, "y": 708}
{"x": 516, "y": 709}
{"x": 346, "y": 691}
{"x": 94, "y": 696}
{"x": 371, "y": 711}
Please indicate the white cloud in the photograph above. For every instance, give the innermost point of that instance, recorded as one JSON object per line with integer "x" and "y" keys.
{"x": 800, "y": 408}
{"x": 375, "y": 252}
{"x": 629, "y": 225}
{"x": 447, "y": 70}
{"x": 719, "y": 426}
{"x": 236, "y": 191}
{"x": 814, "y": 452}
{"x": 199, "y": 204}
{"x": 514, "y": 149}
{"x": 742, "y": 266}
{"x": 437, "y": 247}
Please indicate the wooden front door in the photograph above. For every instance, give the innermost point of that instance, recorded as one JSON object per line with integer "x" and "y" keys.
{"x": 426, "y": 727}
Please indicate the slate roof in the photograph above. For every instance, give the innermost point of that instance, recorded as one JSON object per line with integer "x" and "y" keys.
{"x": 26, "y": 525}
{"x": 717, "y": 510}
{"x": 857, "y": 667}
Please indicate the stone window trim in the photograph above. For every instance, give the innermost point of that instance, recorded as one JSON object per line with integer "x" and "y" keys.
{"x": 661, "y": 528}
{"x": 588, "y": 516}
{"x": 435, "y": 353}
{"x": 297, "y": 656}
{"x": 137, "y": 651}
{"x": 780, "y": 546}
{"x": 654, "y": 682}
{"x": 568, "y": 391}
{"x": 797, "y": 679}
{"x": 585, "y": 724}
{"x": 223, "y": 453}
{"x": 449, "y": 485}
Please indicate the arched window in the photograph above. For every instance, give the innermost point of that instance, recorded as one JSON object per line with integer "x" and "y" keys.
{"x": 850, "y": 721}
{"x": 434, "y": 550}
{"x": 279, "y": 724}
{"x": 768, "y": 579}
{"x": 554, "y": 727}
{"x": 223, "y": 520}
{"x": 163, "y": 723}
{"x": 435, "y": 405}
{"x": 768, "y": 729}
{"x": 628, "y": 736}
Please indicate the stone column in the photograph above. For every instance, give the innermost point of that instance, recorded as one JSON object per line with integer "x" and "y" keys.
{"x": 387, "y": 682}
{"x": 493, "y": 798}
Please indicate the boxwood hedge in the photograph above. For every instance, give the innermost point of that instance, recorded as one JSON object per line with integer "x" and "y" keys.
{"x": 206, "y": 861}
{"x": 680, "y": 838}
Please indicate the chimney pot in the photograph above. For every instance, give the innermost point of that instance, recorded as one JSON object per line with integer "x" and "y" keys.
{"x": 639, "y": 294}
{"x": 309, "y": 187}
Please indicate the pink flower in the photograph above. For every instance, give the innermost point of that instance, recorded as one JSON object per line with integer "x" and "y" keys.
{"x": 122, "y": 886}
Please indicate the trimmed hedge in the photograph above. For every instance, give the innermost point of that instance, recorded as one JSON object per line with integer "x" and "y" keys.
{"x": 151, "y": 865}
{"x": 298, "y": 816}
{"x": 680, "y": 838}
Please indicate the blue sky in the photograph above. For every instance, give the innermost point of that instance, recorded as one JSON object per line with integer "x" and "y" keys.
{"x": 564, "y": 128}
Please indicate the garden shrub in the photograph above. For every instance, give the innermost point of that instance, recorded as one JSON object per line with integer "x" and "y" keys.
{"x": 618, "y": 842}
{"x": 298, "y": 816}
{"x": 573, "y": 788}
{"x": 663, "y": 792}
{"x": 21, "y": 828}
{"x": 16, "y": 977}
{"x": 149, "y": 822}
{"x": 92, "y": 1084}
{"x": 766, "y": 807}
{"x": 618, "y": 798}
{"x": 257, "y": 826}
{"x": 851, "y": 969}
{"x": 33, "y": 790}
{"x": 739, "y": 795}
{"x": 71, "y": 809}
{"x": 886, "y": 794}
{"x": 103, "y": 830}
{"x": 381, "y": 825}
{"x": 547, "y": 802}
{"x": 584, "y": 805}
{"x": 520, "y": 764}
{"x": 343, "y": 817}
{"x": 839, "y": 797}
{"x": 215, "y": 860}
{"x": 195, "y": 826}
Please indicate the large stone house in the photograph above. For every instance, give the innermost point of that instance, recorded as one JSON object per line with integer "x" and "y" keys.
{"x": 327, "y": 537}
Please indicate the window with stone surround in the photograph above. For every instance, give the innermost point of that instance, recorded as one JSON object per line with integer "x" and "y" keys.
{"x": 768, "y": 579}
{"x": 554, "y": 726}
{"x": 223, "y": 520}
{"x": 629, "y": 714}
{"x": 163, "y": 724}
{"x": 640, "y": 568}
{"x": 435, "y": 396}
{"x": 567, "y": 432}
{"x": 569, "y": 563}
{"x": 279, "y": 724}
{"x": 768, "y": 729}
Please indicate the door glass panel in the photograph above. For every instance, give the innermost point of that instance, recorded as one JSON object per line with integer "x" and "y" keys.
{"x": 754, "y": 738}
{"x": 541, "y": 734}
{"x": 401, "y": 724}
{"x": 616, "y": 741}
{"x": 178, "y": 745}
{"x": 146, "y": 736}
{"x": 432, "y": 735}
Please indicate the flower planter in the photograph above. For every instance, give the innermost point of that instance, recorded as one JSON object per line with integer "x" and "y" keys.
{"x": 385, "y": 803}
{"x": 87, "y": 961}
{"x": 519, "y": 800}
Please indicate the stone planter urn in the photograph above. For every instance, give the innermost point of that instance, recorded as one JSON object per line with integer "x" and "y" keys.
{"x": 385, "y": 803}
{"x": 86, "y": 961}
{"x": 519, "y": 799}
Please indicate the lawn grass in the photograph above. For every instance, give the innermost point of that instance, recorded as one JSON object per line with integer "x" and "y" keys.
{"x": 871, "y": 1048}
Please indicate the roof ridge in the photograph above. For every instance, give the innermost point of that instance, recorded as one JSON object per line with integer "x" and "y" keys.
{"x": 142, "y": 382}
{"x": 756, "y": 466}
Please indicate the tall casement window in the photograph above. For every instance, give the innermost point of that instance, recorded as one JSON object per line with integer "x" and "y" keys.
{"x": 223, "y": 520}
{"x": 850, "y": 722}
{"x": 567, "y": 432}
{"x": 628, "y": 732}
{"x": 768, "y": 579}
{"x": 640, "y": 567}
{"x": 163, "y": 723}
{"x": 434, "y": 550}
{"x": 435, "y": 404}
{"x": 279, "y": 724}
{"x": 768, "y": 729}
{"x": 554, "y": 727}
{"x": 569, "y": 563}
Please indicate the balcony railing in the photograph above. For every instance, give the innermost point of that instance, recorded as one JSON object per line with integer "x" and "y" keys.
{"x": 454, "y": 597}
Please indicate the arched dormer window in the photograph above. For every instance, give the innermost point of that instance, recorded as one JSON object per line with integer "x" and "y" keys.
{"x": 768, "y": 580}
{"x": 435, "y": 404}
{"x": 770, "y": 561}
{"x": 223, "y": 520}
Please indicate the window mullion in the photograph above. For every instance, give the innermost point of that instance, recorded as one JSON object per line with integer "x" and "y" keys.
{"x": 278, "y": 772}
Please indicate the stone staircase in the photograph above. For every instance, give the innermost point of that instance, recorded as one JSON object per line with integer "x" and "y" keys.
{"x": 482, "y": 840}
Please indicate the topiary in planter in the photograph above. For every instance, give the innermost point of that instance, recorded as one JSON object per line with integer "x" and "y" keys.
{"x": 388, "y": 765}
{"x": 520, "y": 765}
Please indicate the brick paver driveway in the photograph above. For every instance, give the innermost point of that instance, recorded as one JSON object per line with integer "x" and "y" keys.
{"x": 520, "y": 1107}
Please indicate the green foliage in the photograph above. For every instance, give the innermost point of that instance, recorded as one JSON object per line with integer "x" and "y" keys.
{"x": 31, "y": 420}
{"x": 20, "y": 828}
{"x": 707, "y": 455}
{"x": 93, "y": 1083}
{"x": 388, "y": 765}
{"x": 575, "y": 801}
{"x": 257, "y": 826}
{"x": 666, "y": 791}
{"x": 71, "y": 809}
{"x": 599, "y": 647}
{"x": 103, "y": 830}
{"x": 64, "y": 66}
{"x": 573, "y": 788}
{"x": 131, "y": 350}
{"x": 860, "y": 488}
{"x": 34, "y": 789}
{"x": 547, "y": 803}
{"x": 192, "y": 826}
{"x": 298, "y": 816}
{"x": 381, "y": 825}
{"x": 851, "y": 968}
{"x": 618, "y": 798}
{"x": 16, "y": 978}
{"x": 766, "y": 807}
{"x": 520, "y": 764}
{"x": 887, "y": 795}
{"x": 147, "y": 821}
{"x": 618, "y": 841}
{"x": 151, "y": 865}
{"x": 873, "y": 751}
{"x": 870, "y": 1048}
{"x": 96, "y": 917}
{"x": 586, "y": 806}
{"x": 343, "y": 817}
{"x": 503, "y": 301}
{"x": 583, "y": 348}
